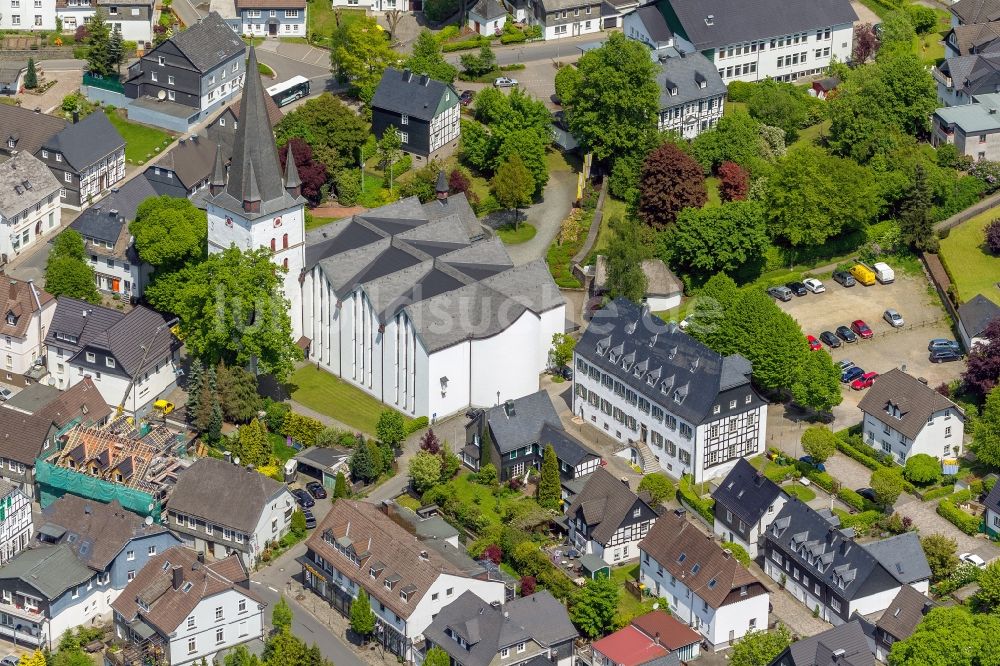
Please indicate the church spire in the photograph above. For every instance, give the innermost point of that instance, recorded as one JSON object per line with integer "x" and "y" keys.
{"x": 218, "y": 182}
{"x": 293, "y": 184}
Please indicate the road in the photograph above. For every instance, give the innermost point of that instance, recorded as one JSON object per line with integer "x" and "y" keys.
{"x": 567, "y": 49}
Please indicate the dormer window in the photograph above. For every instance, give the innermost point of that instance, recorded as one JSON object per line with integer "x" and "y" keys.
{"x": 716, "y": 409}
{"x": 11, "y": 319}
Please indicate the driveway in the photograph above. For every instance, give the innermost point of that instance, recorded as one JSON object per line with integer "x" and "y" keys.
{"x": 925, "y": 517}
{"x": 546, "y": 216}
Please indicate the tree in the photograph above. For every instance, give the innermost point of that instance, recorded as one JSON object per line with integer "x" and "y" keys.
{"x": 206, "y": 410}
{"x": 896, "y": 32}
{"x": 887, "y": 484}
{"x": 986, "y": 433}
{"x": 865, "y": 43}
{"x": 237, "y": 389}
{"x": 422, "y": 183}
{"x": 940, "y": 552}
{"x": 922, "y": 18}
{"x": 948, "y": 636}
{"x": 593, "y": 612}
{"x": 170, "y": 233}
{"x": 283, "y": 648}
{"x": 231, "y": 308}
{"x": 922, "y": 469}
{"x": 362, "y": 617}
{"x": 68, "y": 244}
{"x": 99, "y": 39}
{"x": 392, "y": 20}
{"x": 428, "y": 59}
{"x": 328, "y": 126}
{"x": 488, "y": 474}
{"x": 566, "y": 81}
{"x": 561, "y": 353}
{"x": 425, "y": 471}
{"x": 760, "y": 647}
{"x": 819, "y": 442}
{"x": 486, "y": 449}
{"x": 671, "y": 181}
{"x": 726, "y": 238}
{"x": 240, "y": 656}
{"x": 493, "y": 553}
{"x": 116, "y": 49}
{"x": 359, "y": 54}
{"x": 301, "y": 428}
{"x": 298, "y": 524}
{"x": 631, "y": 244}
{"x": 253, "y": 445}
{"x": 982, "y": 368}
{"x": 313, "y": 174}
{"x": 437, "y": 657}
{"x": 513, "y": 185}
{"x": 817, "y": 382}
{"x": 363, "y": 464}
{"x": 734, "y": 182}
{"x": 736, "y": 138}
{"x": 529, "y": 145}
{"x": 430, "y": 442}
{"x": 281, "y": 616}
{"x": 528, "y": 584}
{"x": 613, "y": 102}
{"x": 916, "y": 221}
{"x": 390, "y": 429}
{"x": 987, "y": 599}
{"x": 779, "y": 105}
{"x": 658, "y": 486}
{"x": 549, "y": 485}
{"x": 390, "y": 148}
{"x": 450, "y": 464}
{"x": 36, "y": 658}
{"x": 70, "y": 277}
{"x": 479, "y": 64}
{"x": 340, "y": 487}
{"x": 31, "y": 76}
{"x": 993, "y": 236}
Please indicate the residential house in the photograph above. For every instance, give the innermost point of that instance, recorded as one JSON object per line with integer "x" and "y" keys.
{"x": 903, "y": 416}
{"x": 187, "y": 166}
{"x": 746, "y": 502}
{"x": 647, "y": 25}
{"x": 29, "y": 204}
{"x": 85, "y": 555}
{"x": 39, "y": 15}
{"x": 519, "y": 432}
{"x": 655, "y": 638}
{"x": 704, "y": 584}
{"x": 992, "y": 512}
{"x": 27, "y": 434}
{"x": 424, "y": 111}
{"x": 87, "y": 158}
{"x": 377, "y": 6}
{"x": 108, "y": 243}
{"x": 182, "y": 610}
{"x": 899, "y": 620}
{"x": 692, "y": 95}
{"x": 823, "y": 567}
{"x": 132, "y": 357}
{"x": 24, "y": 130}
{"x": 780, "y": 39}
{"x": 258, "y": 510}
{"x": 663, "y": 289}
{"x": 275, "y": 18}
{"x": 607, "y": 519}
{"x": 968, "y": 12}
{"x": 27, "y": 315}
{"x": 961, "y": 78}
{"x": 198, "y": 71}
{"x": 356, "y": 546}
{"x": 133, "y": 17}
{"x": 565, "y": 18}
{"x": 12, "y": 76}
{"x": 487, "y": 17}
{"x": 476, "y": 633}
{"x": 613, "y": 13}
{"x": 904, "y": 558}
{"x": 974, "y": 316}
{"x": 844, "y": 645}
{"x": 16, "y": 526}
{"x": 964, "y": 40}
{"x": 673, "y": 403}
{"x": 974, "y": 129}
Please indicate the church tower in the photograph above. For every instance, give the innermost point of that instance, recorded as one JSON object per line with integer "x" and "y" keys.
{"x": 256, "y": 205}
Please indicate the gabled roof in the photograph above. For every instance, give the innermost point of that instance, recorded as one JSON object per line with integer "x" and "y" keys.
{"x": 29, "y": 129}
{"x": 974, "y": 38}
{"x": 518, "y": 423}
{"x": 696, "y": 559}
{"x": 631, "y": 647}
{"x": 902, "y": 556}
{"x": 247, "y": 494}
{"x": 568, "y": 449}
{"x": 746, "y": 492}
{"x": 844, "y": 645}
{"x": 672, "y": 633}
{"x": 86, "y": 142}
{"x": 904, "y": 613}
{"x": 992, "y": 500}
{"x": 976, "y": 11}
{"x": 49, "y": 569}
{"x": 972, "y": 74}
{"x": 904, "y": 403}
{"x": 25, "y": 182}
{"x": 191, "y": 159}
{"x": 273, "y": 112}
{"x": 977, "y": 313}
{"x": 489, "y": 10}
{"x": 98, "y": 222}
{"x": 416, "y": 95}
{"x": 270, "y": 4}
{"x": 23, "y": 300}
{"x": 681, "y": 80}
{"x": 710, "y": 24}
{"x": 605, "y": 503}
{"x": 209, "y": 43}
{"x": 655, "y": 24}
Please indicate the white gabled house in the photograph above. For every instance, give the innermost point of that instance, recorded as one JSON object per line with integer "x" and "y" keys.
{"x": 745, "y": 504}
{"x": 607, "y": 519}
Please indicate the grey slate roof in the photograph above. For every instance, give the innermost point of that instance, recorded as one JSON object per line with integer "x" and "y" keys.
{"x": 914, "y": 400}
{"x": 746, "y": 492}
{"x": 416, "y": 95}
{"x": 209, "y": 43}
{"x": 247, "y": 493}
{"x": 49, "y": 569}
{"x": 568, "y": 449}
{"x": 902, "y": 556}
{"x": 992, "y": 500}
{"x": 191, "y": 159}
{"x": 735, "y": 21}
{"x": 977, "y": 313}
{"x": 24, "y": 182}
{"x": 976, "y": 11}
{"x": 523, "y": 426}
{"x": 973, "y": 74}
{"x": 29, "y": 129}
{"x": 904, "y": 613}
{"x": 974, "y": 38}
{"x": 489, "y": 10}
{"x": 88, "y": 141}
{"x": 819, "y": 650}
{"x": 98, "y": 222}
{"x": 605, "y": 502}
{"x": 683, "y": 376}
{"x": 655, "y": 24}
{"x": 686, "y": 75}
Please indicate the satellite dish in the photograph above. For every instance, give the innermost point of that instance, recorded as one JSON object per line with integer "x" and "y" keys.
{"x": 162, "y": 95}
{"x": 148, "y": 521}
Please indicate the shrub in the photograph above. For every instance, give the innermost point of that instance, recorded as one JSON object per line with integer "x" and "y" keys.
{"x": 845, "y": 447}
{"x": 275, "y": 414}
{"x": 965, "y": 573}
{"x": 948, "y": 509}
{"x": 779, "y": 473}
{"x": 922, "y": 469}
{"x": 936, "y": 493}
{"x": 993, "y": 236}
{"x": 704, "y": 507}
{"x": 347, "y": 184}
{"x": 740, "y": 91}
{"x": 821, "y": 479}
{"x": 416, "y": 424}
{"x": 515, "y": 37}
{"x": 860, "y": 522}
{"x": 738, "y": 551}
{"x": 851, "y": 499}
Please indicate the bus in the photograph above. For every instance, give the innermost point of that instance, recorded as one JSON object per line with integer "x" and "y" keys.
{"x": 289, "y": 91}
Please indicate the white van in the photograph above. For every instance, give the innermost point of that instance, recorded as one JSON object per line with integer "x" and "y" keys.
{"x": 883, "y": 273}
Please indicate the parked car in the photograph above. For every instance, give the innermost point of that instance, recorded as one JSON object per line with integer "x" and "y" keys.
{"x": 5, "y": 393}
{"x": 316, "y": 489}
{"x": 809, "y": 461}
{"x": 864, "y": 381}
{"x": 10, "y": 660}
{"x": 943, "y": 344}
{"x": 972, "y": 558}
{"x": 566, "y": 373}
{"x": 781, "y": 293}
{"x": 851, "y": 374}
{"x": 310, "y": 519}
{"x": 814, "y": 344}
{"x": 504, "y": 82}
{"x": 945, "y": 356}
{"x": 466, "y": 97}
{"x": 303, "y": 498}
{"x": 867, "y": 493}
{"x": 883, "y": 273}
{"x": 844, "y": 364}
{"x": 893, "y": 318}
{"x": 861, "y": 328}
{"x": 814, "y": 285}
{"x": 844, "y": 278}
{"x": 797, "y": 288}
{"x": 863, "y": 274}
{"x": 831, "y": 340}
{"x": 846, "y": 334}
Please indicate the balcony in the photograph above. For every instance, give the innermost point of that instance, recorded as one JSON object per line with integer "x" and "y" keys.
{"x": 17, "y": 608}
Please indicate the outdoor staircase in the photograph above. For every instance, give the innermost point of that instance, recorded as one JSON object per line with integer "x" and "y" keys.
{"x": 647, "y": 460}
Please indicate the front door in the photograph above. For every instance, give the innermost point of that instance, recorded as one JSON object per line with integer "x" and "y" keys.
{"x": 272, "y": 29}
{"x": 642, "y": 433}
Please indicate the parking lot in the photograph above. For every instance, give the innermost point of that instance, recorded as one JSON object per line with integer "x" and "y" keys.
{"x": 537, "y": 78}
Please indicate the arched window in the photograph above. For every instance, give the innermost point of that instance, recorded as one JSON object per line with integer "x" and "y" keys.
{"x": 273, "y": 244}
{"x": 284, "y": 241}
{"x": 285, "y": 263}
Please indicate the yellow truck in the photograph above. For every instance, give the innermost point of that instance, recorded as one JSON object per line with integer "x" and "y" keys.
{"x": 863, "y": 274}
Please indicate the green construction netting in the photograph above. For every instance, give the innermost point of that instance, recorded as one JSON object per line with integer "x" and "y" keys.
{"x": 54, "y": 482}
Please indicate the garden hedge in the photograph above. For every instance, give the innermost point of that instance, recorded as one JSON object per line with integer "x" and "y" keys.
{"x": 702, "y": 506}
{"x": 949, "y": 510}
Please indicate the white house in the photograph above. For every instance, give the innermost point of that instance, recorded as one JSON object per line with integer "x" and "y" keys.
{"x": 22, "y": 15}
{"x": 357, "y": 546}
{"x": 182, "y": 610}
{"x": 276, "y": 18}
{"x": 487, "y": 17}
{"x": 780, "y": 39}
{"x": 705, "y": 586}
{"x": 133, "y": 17}
{"x": 746, "y": 502}
{"x": 607, "y": 519}
{"x": 16, "y": 527}
{"x": 27, "y": 314}
{"x": 974, "y": 316}
{"x": 992, "y": 504}
{"x": 29, "y": 203}
{"x": 904, "y": 416}
{"x": 663, "y": 290}
{"x": 671, "y": 402}
{"x": 257, "y": 511}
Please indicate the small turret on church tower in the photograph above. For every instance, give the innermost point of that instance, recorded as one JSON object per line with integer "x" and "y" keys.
{"x": 293, "y": 184}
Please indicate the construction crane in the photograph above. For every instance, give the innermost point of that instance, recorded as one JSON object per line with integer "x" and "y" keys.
{"x": 142, "y": 364}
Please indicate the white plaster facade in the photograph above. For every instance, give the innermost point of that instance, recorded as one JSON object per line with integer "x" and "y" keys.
{"x": 16, "y": 527}
{"x": 28, "y": 14}
{"x": 782, "y": 57}
{"x": 279, "y": 22}
{"x": 19, "y": 353}
{"x": 756, "y": 530}
{"x": 30, "y": 226}
{"x": 205, "y": 632}
{"x": 939, "y": 437}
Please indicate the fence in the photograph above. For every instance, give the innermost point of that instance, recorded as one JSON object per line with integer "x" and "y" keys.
{"x": 942, "y": 283}
{"x": 113, "y": 85}
{"x": 968, "y": 213}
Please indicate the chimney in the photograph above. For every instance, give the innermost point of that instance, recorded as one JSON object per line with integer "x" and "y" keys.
{"x": 38, "y": 109}
{"x": 407, "y": 75}
{"x": 388, "y": 507}
{"x": 201, "y": 556}
{"x": 656, "y": 638}
{"x": 76, "y": 116}
{"x": 178, "y": 577}
{"x": 425, "y": 80}
{"x": 726, "y": 553}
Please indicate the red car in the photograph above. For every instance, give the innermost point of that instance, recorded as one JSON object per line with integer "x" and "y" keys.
{"x": 861, "y": 328}
{"x": 864, "y": 381}
{"x": 814, "y": 344}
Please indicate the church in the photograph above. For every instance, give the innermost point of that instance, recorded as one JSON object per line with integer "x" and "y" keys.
{"x": 413, "y": 303}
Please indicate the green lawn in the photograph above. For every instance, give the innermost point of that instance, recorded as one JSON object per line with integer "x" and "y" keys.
{"x": 511, "y": 236}
{"x": 556, "y": 160}
{"x": 712, "y": 187}
{"x": 470, "y": 492}
{"x": 809, "y": 135}
{"x": 322, "y": 20}
{"x": 973, "y": 269}
{"x": 279, "y": 449}
{"x": 313, "y": 222}
{"x": 321, "y": 391}
{"x": 803, "y": 493}
{"x": 141, "y": 141}
{"x": 628, "y": 606}
{"x": 264, "y": 70}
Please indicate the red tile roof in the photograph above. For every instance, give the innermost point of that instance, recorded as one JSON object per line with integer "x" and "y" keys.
{"x": 630, "y": 647}
{"x": 673, "y": 634}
